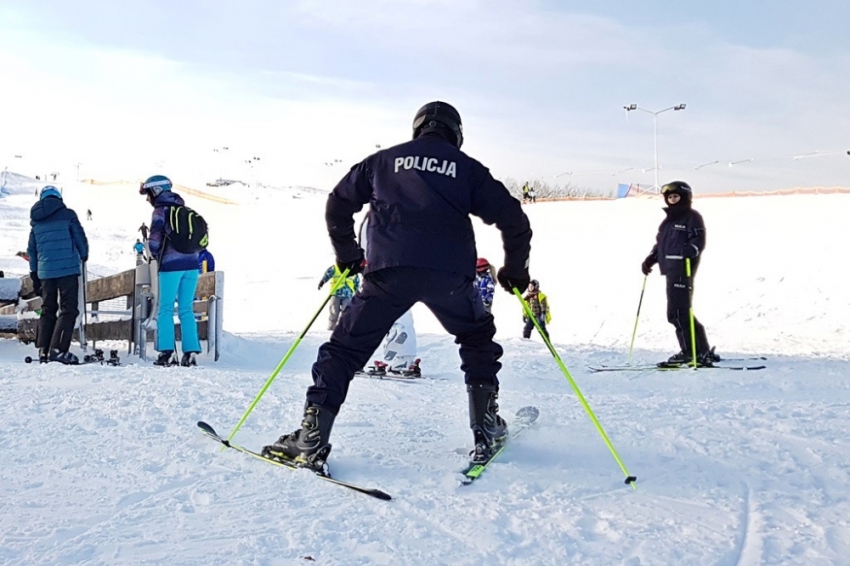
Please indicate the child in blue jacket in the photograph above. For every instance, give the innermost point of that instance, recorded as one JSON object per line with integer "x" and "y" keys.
{"x": 485, "y": 282}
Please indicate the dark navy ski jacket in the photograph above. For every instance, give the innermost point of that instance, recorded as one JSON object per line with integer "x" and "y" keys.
{"x": 421, "y": 194}
{"x": 57, "y": 242}
{"x": 681, "y": 233}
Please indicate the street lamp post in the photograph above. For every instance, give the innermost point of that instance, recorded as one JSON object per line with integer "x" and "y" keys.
{"x": 676, "y": 108}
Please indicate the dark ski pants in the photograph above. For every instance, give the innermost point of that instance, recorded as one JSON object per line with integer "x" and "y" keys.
{"x": 679, "y": 296}
{"x": 529, "y": 326}
{"x": 62, "y": 295}
{"x": 386, "y": 295}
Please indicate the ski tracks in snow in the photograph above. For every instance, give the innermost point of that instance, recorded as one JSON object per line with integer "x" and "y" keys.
{"x": 750, "y": 541}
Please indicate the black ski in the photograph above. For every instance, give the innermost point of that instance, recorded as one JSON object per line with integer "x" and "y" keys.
{"x": 210, "y": 431}
{"x": 524, "y": 418}
{"x": 597, "y": 369}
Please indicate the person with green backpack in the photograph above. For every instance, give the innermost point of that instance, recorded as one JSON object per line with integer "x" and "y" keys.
{"x": 177, "y": 235}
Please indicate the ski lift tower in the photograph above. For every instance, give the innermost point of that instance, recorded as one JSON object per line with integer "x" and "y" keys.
{"x": 656, "y": 188}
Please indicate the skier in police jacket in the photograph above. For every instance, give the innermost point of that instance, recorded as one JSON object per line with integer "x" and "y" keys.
{"x": 681, "y": 236}
{"x": 421, "y": 249}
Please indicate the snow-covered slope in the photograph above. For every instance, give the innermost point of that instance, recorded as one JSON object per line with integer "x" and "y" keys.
{"x": 105, "y": 465}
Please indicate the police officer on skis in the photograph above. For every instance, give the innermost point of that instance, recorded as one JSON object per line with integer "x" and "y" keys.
{"x": 421, "y": 249}
{"x": 680, "y": 236}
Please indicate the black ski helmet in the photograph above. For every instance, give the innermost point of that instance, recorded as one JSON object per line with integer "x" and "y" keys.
{"x": 680, "y": 188}
{"x": 438, "y": 114}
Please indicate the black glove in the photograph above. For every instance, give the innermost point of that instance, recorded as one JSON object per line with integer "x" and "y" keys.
{"x": 646, "y": 266}
{"x": 84, "y": 259}
{"x": 321, "y": 283}
{"x": 690, "y": 252}
{"x": 36, "y": 283}
{"x": 353, "y": 266}
{"x": 510, "y": 280}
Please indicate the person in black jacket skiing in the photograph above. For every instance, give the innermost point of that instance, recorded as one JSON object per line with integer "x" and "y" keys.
{"x": 680, "y": 236}
{"x": 421, "y": 249}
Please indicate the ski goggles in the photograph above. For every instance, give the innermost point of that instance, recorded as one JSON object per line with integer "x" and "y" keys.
{"x": 675, "y": 188}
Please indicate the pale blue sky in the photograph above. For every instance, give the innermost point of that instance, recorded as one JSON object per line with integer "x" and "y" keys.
{"x": 540, "y": 85}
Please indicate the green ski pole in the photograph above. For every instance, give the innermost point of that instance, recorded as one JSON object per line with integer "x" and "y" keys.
{"x": 691, "y": 310}
{"x": 637, "y": 317}
{"x": 340, "y": 282}
{"x": 630, "y": 479}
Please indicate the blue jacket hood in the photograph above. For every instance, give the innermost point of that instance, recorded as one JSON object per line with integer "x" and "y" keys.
{"x": 46, "y": 208}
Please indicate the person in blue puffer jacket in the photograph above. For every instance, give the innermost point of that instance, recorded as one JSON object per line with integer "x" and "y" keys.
{"x": 57, "y": 248}
{"x": 178, "y": 277}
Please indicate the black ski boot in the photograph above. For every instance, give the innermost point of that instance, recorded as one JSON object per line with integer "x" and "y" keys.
{"x": 488, "y": 428}
{"x": 309, "y": 444}
{"x": 113, "y": 360}
{"x": 43, "y": 355}
{"x": 188, "y": 359}
{"x": 66, "y": 358}
{"x": 712, "y": 357}
{"x": 97, "y": 356}
{"x": 166, "y": 359}
{"x": 677, "y": 360}
{"x": 707, "y": 359}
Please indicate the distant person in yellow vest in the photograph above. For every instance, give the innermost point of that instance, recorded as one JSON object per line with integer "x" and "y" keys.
{"x": 525, "y": 193}
{"x": 539, "y": 305}
{"x": 342, "y": 297}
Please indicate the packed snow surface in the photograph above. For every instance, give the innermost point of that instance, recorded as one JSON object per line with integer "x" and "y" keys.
{"x": 105, "y": 465}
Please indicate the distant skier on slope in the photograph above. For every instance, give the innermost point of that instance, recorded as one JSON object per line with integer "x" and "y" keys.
{"x": 57, "y": 248}
{"x": 139, "y": 248}
{"x": 681, "y": 235}
{"x": 485, "y": 282}
{"x": 421, "y": 248}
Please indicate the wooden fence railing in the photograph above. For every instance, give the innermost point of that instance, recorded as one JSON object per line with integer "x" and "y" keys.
{"x": 130, "y": 323}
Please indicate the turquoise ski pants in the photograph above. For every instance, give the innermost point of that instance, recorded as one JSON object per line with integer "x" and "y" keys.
{"x": 179, "y": 286}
